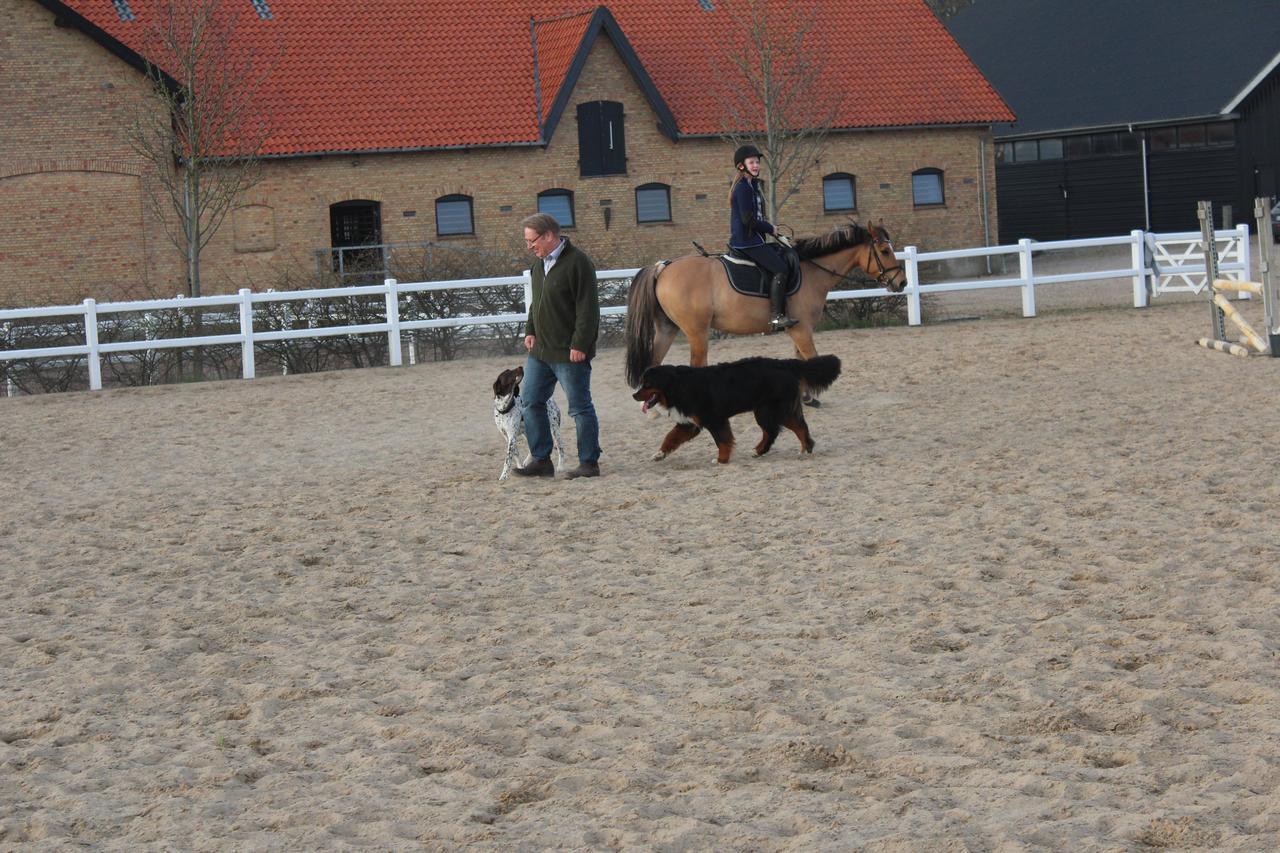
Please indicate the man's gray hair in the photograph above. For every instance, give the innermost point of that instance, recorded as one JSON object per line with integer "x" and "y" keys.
{"x": 542, "y": 223}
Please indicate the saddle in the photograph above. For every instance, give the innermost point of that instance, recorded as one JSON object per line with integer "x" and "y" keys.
{"x": 748, "y": 278}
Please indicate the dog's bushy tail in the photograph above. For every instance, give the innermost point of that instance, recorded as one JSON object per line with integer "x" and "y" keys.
{"x": 818, "y": 373}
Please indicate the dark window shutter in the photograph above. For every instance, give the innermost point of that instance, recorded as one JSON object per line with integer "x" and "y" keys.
{"x": 590, "y": 155}
{"x": 613, "y": 138}
{"x": 602, "y": 139}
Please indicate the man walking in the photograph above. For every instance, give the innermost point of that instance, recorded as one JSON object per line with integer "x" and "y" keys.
{"x": 560, "y": 335}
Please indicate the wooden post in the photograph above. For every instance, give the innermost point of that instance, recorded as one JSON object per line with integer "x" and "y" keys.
{"x": 913, "y": 286}
{"x": 1262, "y": 222}
{"x": 1027, "y": 275}
{"x": 393, "y": 323}
{"x": 1138, "y": 263}
{"x": 91, "y": 341}
{"x": 248, "y": 370}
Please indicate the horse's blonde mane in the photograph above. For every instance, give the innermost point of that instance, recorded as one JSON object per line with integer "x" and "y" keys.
{"x": 844, "y": 237}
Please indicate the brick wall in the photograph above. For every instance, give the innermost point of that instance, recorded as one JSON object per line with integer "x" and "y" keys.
{"x": 73, "y": 217}
{"x": 270, "y": 241}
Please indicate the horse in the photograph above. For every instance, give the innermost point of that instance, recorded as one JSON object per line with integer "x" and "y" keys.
{"x": 691, "y": 294}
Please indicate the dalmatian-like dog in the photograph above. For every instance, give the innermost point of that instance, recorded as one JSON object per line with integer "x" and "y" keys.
{"x": 509, "y": 417}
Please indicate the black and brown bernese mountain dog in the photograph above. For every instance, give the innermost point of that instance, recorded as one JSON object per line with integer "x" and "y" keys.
{"x": 708, "y": 397}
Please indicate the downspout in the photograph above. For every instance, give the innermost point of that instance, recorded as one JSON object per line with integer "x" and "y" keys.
{"x": 1146, "y": 190}
{"x": 982, "y": 195}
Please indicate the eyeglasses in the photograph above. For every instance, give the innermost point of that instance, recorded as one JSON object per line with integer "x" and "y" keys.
{"x": 535, "y": 239}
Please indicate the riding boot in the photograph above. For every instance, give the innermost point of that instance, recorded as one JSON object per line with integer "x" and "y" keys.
{"x": 778, "y": 299}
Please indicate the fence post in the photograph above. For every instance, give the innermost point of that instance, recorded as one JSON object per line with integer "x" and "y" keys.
{"x": 247, "y": 367}
{"x": 528, "y": 291}
{"x": 1137, "y": 259}
{"x": 1028, "y": 278}
{"x": 91, "y": 341}
{"x": 913, "y": 286}
{"x": 1242, "y": 237}
{"x": 393, "y": 321}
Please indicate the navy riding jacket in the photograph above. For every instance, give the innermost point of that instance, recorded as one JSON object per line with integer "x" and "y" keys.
{"x": 747, "y": 225}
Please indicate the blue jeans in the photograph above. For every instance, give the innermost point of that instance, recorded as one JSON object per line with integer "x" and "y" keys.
{"x": 540, "y": 379}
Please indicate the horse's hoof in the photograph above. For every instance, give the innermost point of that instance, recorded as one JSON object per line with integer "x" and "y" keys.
{"x": 813, "y": 402}
{"x": 659, "y": 456}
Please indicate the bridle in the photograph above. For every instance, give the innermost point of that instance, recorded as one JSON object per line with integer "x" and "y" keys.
{"x": 883, "y": 273}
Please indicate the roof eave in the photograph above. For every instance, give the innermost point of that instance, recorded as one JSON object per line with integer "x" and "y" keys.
{"x": 871, "y": 128}
{"x": 1120, "y": 125}
{"x": 354, "y": 152}
{"x": 1252, "y": 84}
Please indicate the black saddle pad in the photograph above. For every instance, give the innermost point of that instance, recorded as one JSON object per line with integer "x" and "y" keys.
{"x": 751, "y": 280}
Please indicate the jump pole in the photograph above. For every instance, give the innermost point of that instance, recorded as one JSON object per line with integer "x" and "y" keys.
{"x": 1238, "y": 286}
{"x": 1224, "y": 346}
{"x": 1220, "y": 306}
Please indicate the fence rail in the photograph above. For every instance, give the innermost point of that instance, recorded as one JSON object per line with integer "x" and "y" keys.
{"x": 1149, "y": 267}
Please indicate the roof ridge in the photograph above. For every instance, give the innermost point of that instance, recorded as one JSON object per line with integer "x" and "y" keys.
{"x": 566, "y": 16}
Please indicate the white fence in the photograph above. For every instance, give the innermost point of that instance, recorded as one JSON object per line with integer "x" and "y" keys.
{"x": 1167, "y": 266}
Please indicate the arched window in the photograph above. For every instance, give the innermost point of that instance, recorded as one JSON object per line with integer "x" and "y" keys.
{"x": 558, "y": 203}
{"x": 926, "y": 188}
{"x": 453, "y": 215}
{"x": 653, "y": 203}
{"x": 839, "y": 193}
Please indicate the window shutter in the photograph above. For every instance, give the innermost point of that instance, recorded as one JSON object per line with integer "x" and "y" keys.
{"x": 613, "y": 138}
{"x": 590, "y": 155}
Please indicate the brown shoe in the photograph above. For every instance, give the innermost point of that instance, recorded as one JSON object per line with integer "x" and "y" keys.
{"x": 584, "y": 469}
{"x": 537, "y": 468}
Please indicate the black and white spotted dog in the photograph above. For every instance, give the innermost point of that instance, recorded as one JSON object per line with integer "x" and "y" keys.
{"x": 508, "y": 416}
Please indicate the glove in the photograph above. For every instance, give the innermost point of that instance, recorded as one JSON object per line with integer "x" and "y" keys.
{"x": 785, "y": 240}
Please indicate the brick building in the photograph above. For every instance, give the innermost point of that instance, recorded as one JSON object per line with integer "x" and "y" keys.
{"x": 414, "y": 122}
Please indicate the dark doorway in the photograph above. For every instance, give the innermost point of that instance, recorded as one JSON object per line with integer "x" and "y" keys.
{"x": 355, "y": 234}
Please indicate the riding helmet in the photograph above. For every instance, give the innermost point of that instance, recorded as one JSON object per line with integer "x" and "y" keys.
{"x": 740, "y": 156}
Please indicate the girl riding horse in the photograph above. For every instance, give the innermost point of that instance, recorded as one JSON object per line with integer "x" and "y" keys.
{"x": 748, "y": 228}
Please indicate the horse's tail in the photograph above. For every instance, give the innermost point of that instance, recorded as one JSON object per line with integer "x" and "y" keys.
{"x": 818, "y": 373}
{"x": 643, "y": 312}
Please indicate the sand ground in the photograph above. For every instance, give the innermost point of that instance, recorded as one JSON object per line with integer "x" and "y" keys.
{"x": 1022, "y": 597}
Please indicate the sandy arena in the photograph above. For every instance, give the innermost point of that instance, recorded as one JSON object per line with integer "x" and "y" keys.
{"x": 1023, "y": 597}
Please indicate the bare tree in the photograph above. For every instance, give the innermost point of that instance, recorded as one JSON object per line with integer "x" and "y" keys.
{"x": 202, "y": 129}
{"x": 945, "y": 9}
{"x": 774, "y": 93}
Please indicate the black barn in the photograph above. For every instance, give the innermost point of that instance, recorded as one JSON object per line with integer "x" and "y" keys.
{"x": 1129, "y": 113}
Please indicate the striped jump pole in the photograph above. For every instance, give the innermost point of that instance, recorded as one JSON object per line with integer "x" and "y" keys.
{"x": 1224, "y": 346}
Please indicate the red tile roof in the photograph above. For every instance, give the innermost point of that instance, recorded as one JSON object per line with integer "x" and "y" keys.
{"x": 413, "y": 74}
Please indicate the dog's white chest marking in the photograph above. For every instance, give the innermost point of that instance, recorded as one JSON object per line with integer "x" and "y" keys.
{"x": 508, "y": 414}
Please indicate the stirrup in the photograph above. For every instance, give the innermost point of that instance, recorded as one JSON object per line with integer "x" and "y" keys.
{"x": 782, "y": 321}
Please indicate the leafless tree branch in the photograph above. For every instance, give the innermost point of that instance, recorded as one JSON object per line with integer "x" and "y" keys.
{"x": 774, "y": 94}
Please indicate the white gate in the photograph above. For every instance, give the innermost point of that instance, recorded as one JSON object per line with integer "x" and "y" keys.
{"x": 1177, "y": 260}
